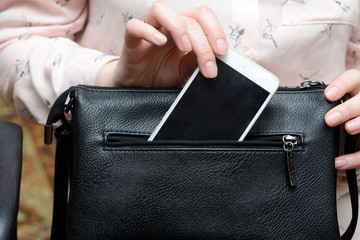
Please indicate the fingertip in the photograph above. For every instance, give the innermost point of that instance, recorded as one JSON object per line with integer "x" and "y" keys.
{"x": 159, "y": 38}
{"x": 353, "y": 126}
{"x": 333, "y": 119}
{"x": 210, "y": 69}
{"x": 340, "y": 163}
{"x": 221, "y": 46}
{"x": 332, "y": 93}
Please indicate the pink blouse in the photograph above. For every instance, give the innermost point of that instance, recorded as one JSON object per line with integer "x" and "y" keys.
{"x": 47, "y": 46}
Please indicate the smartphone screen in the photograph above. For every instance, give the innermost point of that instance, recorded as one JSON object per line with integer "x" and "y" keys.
{"x": 213, "y": 109}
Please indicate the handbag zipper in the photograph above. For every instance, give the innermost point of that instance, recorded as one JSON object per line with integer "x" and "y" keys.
{"x": 115, "y": 139}
{"x": 289, "y": 144}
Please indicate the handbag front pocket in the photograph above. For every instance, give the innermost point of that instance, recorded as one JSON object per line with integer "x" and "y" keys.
{"x": 173, "y": 189}
{"x": 287, "y": 143}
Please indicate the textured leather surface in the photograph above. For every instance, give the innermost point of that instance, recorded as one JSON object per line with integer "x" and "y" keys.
{"x": 10, "y": 175}
{"x": 181, "y": 192}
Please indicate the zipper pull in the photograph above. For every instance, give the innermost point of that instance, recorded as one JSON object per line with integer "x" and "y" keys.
{"x": 289, "y": 144}
{"x": 57, "y": 113}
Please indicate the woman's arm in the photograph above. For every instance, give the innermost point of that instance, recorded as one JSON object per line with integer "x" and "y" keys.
{"x": 38, "y": 56}
{"x": 40, "y": 59}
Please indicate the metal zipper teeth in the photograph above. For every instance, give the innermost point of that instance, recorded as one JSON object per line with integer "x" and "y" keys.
{"x": 271, "y": 141}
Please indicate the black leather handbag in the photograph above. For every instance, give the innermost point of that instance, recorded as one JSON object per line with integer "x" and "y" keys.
{"x": 280, "y": 183}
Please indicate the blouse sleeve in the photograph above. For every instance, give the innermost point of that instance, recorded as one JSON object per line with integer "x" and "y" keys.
{"x": 39, "y": 56}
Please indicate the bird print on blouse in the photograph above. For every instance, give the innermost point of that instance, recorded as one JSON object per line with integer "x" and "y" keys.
{"x": 351, "y": 54}
{"x": 342, "y": 5}
{"x": 327, "y": 29}
{"x": 98, "y": 58}
{"x": 48, "y": 102}
{"x": 100, "y": 18}
{"x": 57, "y": 60}
{"x": 311, "y": 77}
{"x": 127, "y": 17}
{"x": 268, "y": 31}
{"x": 236, "y": 34}
{"x": 22, "y": 68}
{"x": 26, "y": 23}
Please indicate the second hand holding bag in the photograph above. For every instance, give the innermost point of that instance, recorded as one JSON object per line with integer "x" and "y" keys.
{"x": 280, "y": 183}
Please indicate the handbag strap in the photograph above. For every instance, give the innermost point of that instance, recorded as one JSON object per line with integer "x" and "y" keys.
{"x": 62, "y": 169}
{"x": 61, "y": 186}
{"x": 350, "y": 147}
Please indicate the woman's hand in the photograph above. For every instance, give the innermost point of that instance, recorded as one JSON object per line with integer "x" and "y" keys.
{"x": 347, "y": 112}
{"x": 165, "y": 48}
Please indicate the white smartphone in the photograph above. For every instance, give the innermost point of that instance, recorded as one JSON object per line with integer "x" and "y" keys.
{"x": 223, "y": 108}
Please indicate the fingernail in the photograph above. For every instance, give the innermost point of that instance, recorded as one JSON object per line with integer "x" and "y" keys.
{"x": 159, "y": 38}
{"x": 185, "y": 43}
{"x": 210, "y": 69}
{"x": 353, "y": 127}
{"x": 340, "y": 163}
{"x": 332, "y": 92}
{"x": 334, "y": 119}
{"x": 221, "y": 46}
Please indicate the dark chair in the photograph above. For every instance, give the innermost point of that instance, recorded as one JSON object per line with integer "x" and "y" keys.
{"x": 10, "y": 176}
